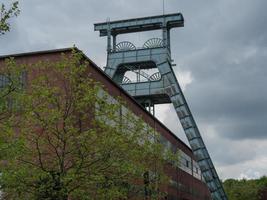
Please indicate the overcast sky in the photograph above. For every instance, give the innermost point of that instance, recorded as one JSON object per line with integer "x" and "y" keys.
{"x": 221, "y": 57}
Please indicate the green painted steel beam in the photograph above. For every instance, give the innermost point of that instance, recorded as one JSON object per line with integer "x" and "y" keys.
{"x": 140, "y": 24}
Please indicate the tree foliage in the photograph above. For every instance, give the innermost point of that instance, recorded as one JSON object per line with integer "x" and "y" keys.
{"x": 6, "y": 14}
{"x": 68, "y": 138}
{"x": 246, "y": 189}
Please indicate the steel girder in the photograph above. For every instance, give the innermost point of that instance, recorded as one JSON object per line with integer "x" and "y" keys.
{"x": 167, "y": 89}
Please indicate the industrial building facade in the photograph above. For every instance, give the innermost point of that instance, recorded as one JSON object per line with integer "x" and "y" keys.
{"x": 186, "y": 179}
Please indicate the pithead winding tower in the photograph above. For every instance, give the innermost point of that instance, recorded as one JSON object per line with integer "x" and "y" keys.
{"x": 160, "y": 87}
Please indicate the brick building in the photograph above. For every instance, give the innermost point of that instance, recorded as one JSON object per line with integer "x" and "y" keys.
{"x": 186, "y": 180}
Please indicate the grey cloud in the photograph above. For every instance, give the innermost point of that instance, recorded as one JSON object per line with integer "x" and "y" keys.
{"x": 227, "y": 60}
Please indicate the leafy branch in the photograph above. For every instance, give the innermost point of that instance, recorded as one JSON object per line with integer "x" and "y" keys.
{"x": 6, "y": 14}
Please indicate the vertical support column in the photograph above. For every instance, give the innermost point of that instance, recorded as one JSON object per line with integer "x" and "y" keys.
{"x": 164, "y": 34}
{"x": 109, "y": 42}
{"x": 169, "y": 39}
{"x": 114, "y": 37}
{"x": 138, "y": 75}
{"x": 108, "y": 37}
{"x": 149, "y": 106}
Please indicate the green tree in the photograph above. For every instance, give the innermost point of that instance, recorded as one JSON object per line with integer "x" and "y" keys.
{"x": 245, "y": 189}
{"x": 73, "y": 140}
{"x": 6, "y": 14}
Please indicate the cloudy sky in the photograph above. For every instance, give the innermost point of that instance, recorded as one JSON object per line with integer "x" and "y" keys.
{"x": 221, "y": 57}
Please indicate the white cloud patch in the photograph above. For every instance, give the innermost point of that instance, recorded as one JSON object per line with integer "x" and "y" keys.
{"x": 249, "y": 174}
{"x": 184, "y": 78}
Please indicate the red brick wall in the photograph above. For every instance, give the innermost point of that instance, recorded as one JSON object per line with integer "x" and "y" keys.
{"x": 187, "y": 183}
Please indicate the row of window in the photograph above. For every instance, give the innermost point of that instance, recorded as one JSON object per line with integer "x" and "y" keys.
{"x": 186, "y": 163}
{"x": 187, "y": 189}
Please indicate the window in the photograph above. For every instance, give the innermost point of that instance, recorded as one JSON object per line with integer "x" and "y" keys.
{"x": 187, "y": 163}
{"x": 6, "y": 101}
{"x": 4, "y": 81}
